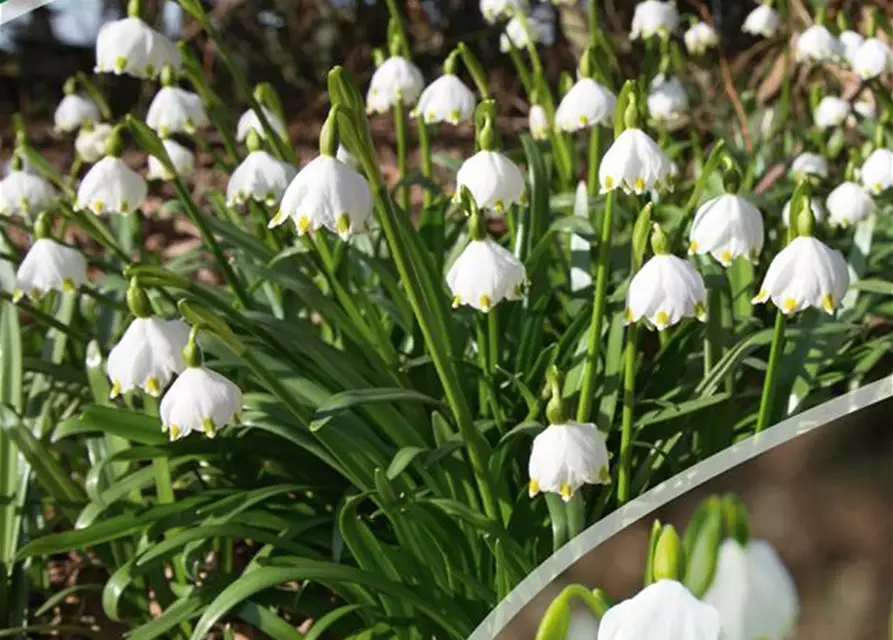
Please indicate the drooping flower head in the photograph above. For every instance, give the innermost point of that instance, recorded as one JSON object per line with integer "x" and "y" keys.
{"x": 809, "y": 164}
{"x": 130, "y": 46}
{"x": 75, "y": 109}
{"x": 250, "y": 121}
{"x": 110, "y": 186}
{"x": 494, "y": 182}
{"x": 396, "y": 81}
{"x": 91, "y": 140}
{"x": 523, "y": 30}
{"x": 848, "y": 204}
{"x": 175, "y": 110}
{"x": 700, "y": 37}
{"x": 447, "y": 99}
{"x": 654, "y": 17}
{"x": 49, "y": 266}
{"x": 260, "y": 177}
{"x": 182, "y": 158}
{"x": 872, "y": 58}
{"x": 538, "y": 122}
{"x": 762, "y": 21}
{"x": 817, "y": 44}
{"x": 876, "y": 173}
{"x": 667, "y": 100}
{"x": 666, "y": 289}
{"x": 326, "y": 193}
{"x": 24, "y": 193}
{"x": 588, "y": 103}
{"x": 831, "y": 112}
{"x": 850, "y": 41}
{"x": 806, "y": 273}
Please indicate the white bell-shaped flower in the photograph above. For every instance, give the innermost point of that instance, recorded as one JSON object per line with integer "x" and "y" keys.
{"x": 50, "y": 266}
{"x": 700, "y": 37}
{"x": 806, "y": 273}
{"x": 110, "y": 186}
{"x": 865, "y": 109}
{"x": 91, "y": 140}
{"x": 636, "y": 164}
{"x": 664, "y": 610}
{"x": 876, "y": 173}
{"x": 848, "y": 204}
{"x": 484, "y": 274}
{"x": 130, "y": 46}
{"x": 753, "y": 592}
{"x": 850, "y": 41}
{"x": 396, "y": 81}
{"x": 199, "y": 400}
{"x": 664, "y": 291}
{"x": 25, "y": 194}
{"x": 495, "y": 182}
{"x": 515, "y": 35}
{"x": 762, "y": 21}
{"x": 654, "y": 17}
{"x": 587, "y": 104}
{"x": 538, "y": 122}
{"x": 816, "y": 44}
{"x": 566, "y": 456}
{"x": 175, "y": 110}
{"x": 811, "y": 164}
{"x": 447, "y": 99}
{"x": 667, "y": 100}
{"x": 182, "y": 158}
{"x": 872, "y": 58}
{"x": 148, "y": 355}
{"x": 831, "y": 112}
{"x": 73, "y": 111}
{"x": 260, "y": 177}
{"x": 815, "y": 205}
{"x": 326, "y": 194}
{"x": 249, "y": 122}
{"x": 727, "y": 227}
{"x": 494, "y": 10}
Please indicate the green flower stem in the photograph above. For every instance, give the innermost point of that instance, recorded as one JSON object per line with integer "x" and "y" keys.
{"x": 714, "y": 340}
{"x": 521, "y": 68}
{"x": 765, "y": 416}
{"x": 594, "y": 157}
{"x": 587, "y": 389}
{"x": 626, "y": 426}
{"x": 595, "y": 600}
{"x": 427, "y": 167}
{"x": 402, "y": 151}
{"x": 493, "y": 364}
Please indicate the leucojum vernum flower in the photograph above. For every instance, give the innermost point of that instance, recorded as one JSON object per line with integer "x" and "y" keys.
{"x": 341, "y": 322}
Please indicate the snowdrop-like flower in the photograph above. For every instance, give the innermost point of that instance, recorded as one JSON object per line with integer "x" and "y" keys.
{"x": 199, "y": 400}
{"x": 727, "y": 227}
{"x": 587, "y": 104}
{"x": 850, "y": 41}
{"x": 182, "y": 158}
{"x": 806, "y": 273}
{"x": 494, "y": 10}
{"x": 249, "y": 122}
{"x": 667, "y": 100}
{"x": 877, "y": 171}
{"x": 50, "y": 266}
{"x": 753, "y": 592}
{"x": 148, "y": 355}
{"x": 815, "y": 205}
{"x": 635, "y": 163}
{"x": 538, "y": 121}
{"x": 495, "y": 182}
{"x": 866, "y": 109}
{"x": 73, "y": 111}
{"x": 810, "y": 164}
{"x": 663, "y": 610}
{"x": 700, "y": 37}
{"x": 849, "y": 204}
{"x": 872, "y": 59}
{"x": 132, "y": 47}
{"x": 654, "y": 17}
{"x": 396, "y": 81}
{"x": 24, "y": 194}
{"x": 484, "y": 274}
{"x": 566, "y": 456}
{"x": 665, "y": 290}
{"x": 175, "y": 110}
{"x": 110, "y": 186}
{"x": 762, "y": 21}
{"x": 90, "y": 143}
{"x": 816, "y": 44}
{"x": 831, "y": 112}
{"x": 515, "y": 35}
{"x": 260, "y": 177}
{"x": 447, "y": 99}
{"x": 328, "y": 194}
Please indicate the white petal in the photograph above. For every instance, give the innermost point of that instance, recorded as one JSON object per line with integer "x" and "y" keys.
{"x": 196, "y": 396}
{"x": 447, "y": 99}
{"x": 110, "y": 186}
{"x": 485, "y": 274}
{"x": 50, "y": 266}
{"x": 494, "y": 181}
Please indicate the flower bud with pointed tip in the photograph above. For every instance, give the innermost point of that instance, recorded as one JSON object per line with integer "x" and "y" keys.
{"x": 43, "y": 226}
{"x": 192, "y": 353}
{"x": 138, "y": 300}
{"x": 114, "y": 146}
{"x": 669, "y": 556}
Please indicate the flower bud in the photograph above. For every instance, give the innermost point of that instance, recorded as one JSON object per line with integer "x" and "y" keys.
{"x": 669, "y": 556}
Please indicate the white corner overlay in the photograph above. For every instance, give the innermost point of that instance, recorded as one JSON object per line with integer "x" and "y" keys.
{"x": 663, "y": 493}
{"x": 12, "y": 9}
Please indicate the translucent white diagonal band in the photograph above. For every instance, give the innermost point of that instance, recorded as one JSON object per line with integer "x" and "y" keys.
{"x": 14, "y": 8}
{"x": 735, "y": 455}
